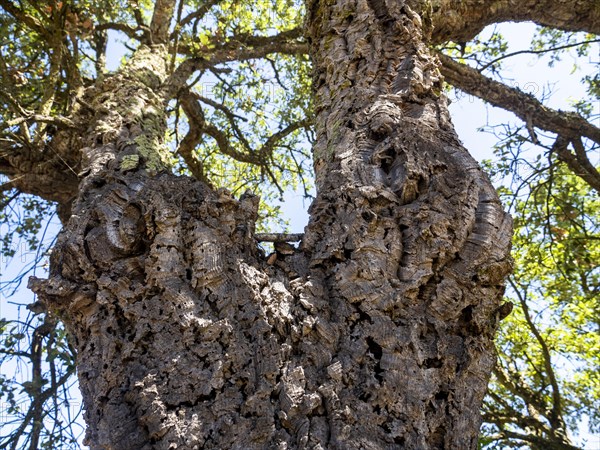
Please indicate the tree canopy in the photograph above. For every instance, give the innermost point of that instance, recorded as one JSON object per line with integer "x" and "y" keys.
{"x": 241, "y": 117}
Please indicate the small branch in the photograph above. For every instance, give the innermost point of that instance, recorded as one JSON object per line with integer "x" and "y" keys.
{"x": 271, "y": 142}
{"x": 583, "y": 159}
{"x": 22, "y": 17}
{"x": 227, "y": 149}
{"x": 14, "y": 103}
{"x": 59, "y": 121}
{"x": 536, "y": 52}
{"x": 5, "y": 202}
{"x": 218, "y": 106}
{"x": 139, "y": 18}
{"x": 124, "y": 28}
{"x": 199, "y": 13}
{"x": 511, "y": 415}
{"x": 539, "y": 442}
{"x": 556, "y": 411}
{"x": 279, "y": 237}
{"x": 175, "y": 36}
{"x": 37, "y": 403}
{"x": 578, "y": 163}
{"x": 239, "y": 48}
{"x": 231, "y": 117}
{"x": 535, "y": 408}
{"x": 199, "y": 126}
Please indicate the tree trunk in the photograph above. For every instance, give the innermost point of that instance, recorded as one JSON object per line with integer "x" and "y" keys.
{"x": 376, "y": 333}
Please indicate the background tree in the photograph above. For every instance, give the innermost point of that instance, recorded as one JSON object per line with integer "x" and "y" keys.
{"x": 226, "y": 139}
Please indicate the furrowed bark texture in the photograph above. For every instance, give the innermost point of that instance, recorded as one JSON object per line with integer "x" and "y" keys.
{"x": 407, "y": 231}
{"x": 376, "y": 333}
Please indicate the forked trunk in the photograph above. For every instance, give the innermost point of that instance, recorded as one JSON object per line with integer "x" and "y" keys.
{"x": 376, "y": 333}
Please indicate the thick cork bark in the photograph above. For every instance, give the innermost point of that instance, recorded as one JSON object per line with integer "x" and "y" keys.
{"x": 375, "y": 334}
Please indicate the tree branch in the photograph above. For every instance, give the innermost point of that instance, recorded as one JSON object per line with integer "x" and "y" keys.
{"x": 279, "y": 237}
{"x": 38, "y": 173}
{"x": 199, "y": 13}
{"x": 37, "y": 403}
{"x": 196, "y": 123}
{"x": 513, "y": 415}
{"x": 555, "y": 418}
{"x": 535, "y": 407}
{"x": 198, "y": 126}
{"x": 271, "y": 142}
{"x": 231, "y": 117}
{"x": 571, "y": 126}
{"x": 578, "y": 163}
{"x": 237, "y": 49}
{"x": 124, "y": 28}
{"x": 22, "y": 17}
{"x": 536, "y": 52}
{"x": 13, "y": 102}
{"x": 462, "y": 21}
{"x": 539, "y": 441}
{"x": 525, "y": 106}
{"x": 161, "y": 21}
{"x": 59, "y": 121}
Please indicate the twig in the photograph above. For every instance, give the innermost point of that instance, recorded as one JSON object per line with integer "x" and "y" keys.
{"x": 279, "y": 237}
